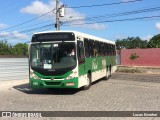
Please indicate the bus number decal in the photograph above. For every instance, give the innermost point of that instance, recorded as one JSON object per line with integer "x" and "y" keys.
{"x": 94, "y": 64}
{"x": 103, "y": 63}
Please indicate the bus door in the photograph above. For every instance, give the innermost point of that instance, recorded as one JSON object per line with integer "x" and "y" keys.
{"x": 81, "y": 56}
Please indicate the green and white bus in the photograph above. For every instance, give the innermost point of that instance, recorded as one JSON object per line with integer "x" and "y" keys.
{"x": 69, "y": 59}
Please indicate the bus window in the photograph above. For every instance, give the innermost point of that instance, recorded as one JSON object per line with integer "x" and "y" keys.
{"x": 108, "y": 51}
{"x": 86, "y": 47}
{"x": 114, "y": 49}
{"x": 80, "y": 52}
{"x": 104, "y": 49}
{"x": 100, "y": 49}
{"x": 91, "y": 47}
{"x": 96, "y": 48}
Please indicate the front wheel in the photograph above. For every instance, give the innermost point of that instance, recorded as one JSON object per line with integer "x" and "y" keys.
{"x": 89, "y": 82}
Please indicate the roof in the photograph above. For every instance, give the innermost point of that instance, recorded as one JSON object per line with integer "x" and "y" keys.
{"x": 80, "y": 34}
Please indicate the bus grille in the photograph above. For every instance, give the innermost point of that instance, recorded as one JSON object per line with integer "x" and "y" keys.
{"x": 52, "y": 83}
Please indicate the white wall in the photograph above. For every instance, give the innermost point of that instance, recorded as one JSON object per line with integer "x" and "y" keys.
{"x": 13, "y": 68}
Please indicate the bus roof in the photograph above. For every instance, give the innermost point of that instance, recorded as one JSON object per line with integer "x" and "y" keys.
{"x": 80, "y": 34}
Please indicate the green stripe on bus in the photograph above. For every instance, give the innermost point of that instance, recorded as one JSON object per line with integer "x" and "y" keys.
{"x": 95, "y": 64}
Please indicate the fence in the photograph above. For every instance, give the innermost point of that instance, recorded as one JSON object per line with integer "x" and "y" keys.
{"x": 140, "y": 57}
{"x": 13, "y": 68}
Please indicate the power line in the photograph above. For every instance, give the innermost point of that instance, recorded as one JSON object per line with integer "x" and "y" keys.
{"x": 106, "y": 4}
{"x": 104, "y": 16}
{"x": 49, "y": 27}
{"x": 28, "y": 21}
{"x": 28, "y": 26}
{"x": 66, "y": 7}
{"x": 118, "y": 14}
{"x": 118, "y": 20}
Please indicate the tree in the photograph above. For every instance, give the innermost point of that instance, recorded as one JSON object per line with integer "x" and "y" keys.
{"x": 154, "y": 42}
{"x": 131, "y": 43}
{"x": 4, "y": 48}
{"x": 20, "y": 49}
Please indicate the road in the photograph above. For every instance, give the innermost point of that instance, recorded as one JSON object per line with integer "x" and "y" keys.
{"x": 122, "y": 92}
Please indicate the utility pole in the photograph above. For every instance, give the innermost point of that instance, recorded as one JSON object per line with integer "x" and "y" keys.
{"x": 57, "y": 25}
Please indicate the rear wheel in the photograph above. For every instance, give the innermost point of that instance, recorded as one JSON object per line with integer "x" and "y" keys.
{"x": 107, "y": 75}
{"x": 89, "y": 82}
{"x": 110, "y": 70}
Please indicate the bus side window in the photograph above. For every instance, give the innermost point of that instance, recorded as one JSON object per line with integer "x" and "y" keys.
{"x": 107, "y": 48}
{"x": 100, "y": 48}
{"x": 86, "y": 46}
{"x": 96, "y": 48}
{"x": 91, "y": 47}
{"x": 110, "y": 49}
{"x": 104, "y": 49}
{"x": 80, "y": 51}
{"x": 114, "y": 49}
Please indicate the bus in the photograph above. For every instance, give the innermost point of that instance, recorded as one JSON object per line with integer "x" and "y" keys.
{"x": 69, "y": 59}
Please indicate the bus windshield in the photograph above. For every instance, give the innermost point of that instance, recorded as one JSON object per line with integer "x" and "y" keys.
{"x": 53, "y": 56}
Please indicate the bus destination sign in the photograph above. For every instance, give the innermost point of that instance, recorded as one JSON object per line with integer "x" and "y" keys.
{"x": 45, "y": 37}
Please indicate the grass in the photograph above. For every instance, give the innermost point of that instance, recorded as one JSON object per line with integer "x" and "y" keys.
{"x": 128, "y": 70}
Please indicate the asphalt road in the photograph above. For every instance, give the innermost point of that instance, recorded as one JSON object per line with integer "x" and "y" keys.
{"x": 122, "y": 92}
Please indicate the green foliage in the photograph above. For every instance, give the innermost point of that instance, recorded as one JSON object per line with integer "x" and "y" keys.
{"x": 131, "y": 43}
{"x": 154, "y": 42}
{"x": 18, "y": 49}
{"x": 133, "y": 56}
{"x": 136, "y": 42}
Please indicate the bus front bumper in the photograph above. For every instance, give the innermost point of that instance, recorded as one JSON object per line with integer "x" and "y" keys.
{"x": 72, "y": 83}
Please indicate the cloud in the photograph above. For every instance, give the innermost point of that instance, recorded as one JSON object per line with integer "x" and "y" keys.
{"x": 4, "y": 34}
{"x": 14, "y": 35}
{"x": 148, "y": 37}
{"x": 94, "y": 26}
{"x": 19, "y": 35}
{"x": 71, "y": 17}
{"x": 158, "y": 25}
{"x": 38, "y": 8}
{"x": 126, "y": 0}
{"x": 121, "y": 36}
{"x": 2, "y": 26}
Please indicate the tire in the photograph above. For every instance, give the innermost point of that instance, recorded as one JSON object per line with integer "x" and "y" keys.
{"x": 107, "y": 75}
{"x": 110, "y": 71}
{"x": 89, "y": 82}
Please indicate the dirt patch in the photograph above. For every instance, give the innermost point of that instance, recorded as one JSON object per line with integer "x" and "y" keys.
{"x": 135, "y": 69}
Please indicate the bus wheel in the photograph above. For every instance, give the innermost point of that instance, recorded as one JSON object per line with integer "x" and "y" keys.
{"x": 88, "y": 82}
{"x": 110, "y": 68}
{"x": 107, "y": 75}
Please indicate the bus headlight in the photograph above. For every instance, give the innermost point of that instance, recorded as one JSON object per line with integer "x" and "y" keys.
{"x": 33, "y": 75}
{"x": 71, "y": 76}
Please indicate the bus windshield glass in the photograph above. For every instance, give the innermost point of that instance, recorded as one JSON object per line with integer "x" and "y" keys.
{"x": 53, "y": 56}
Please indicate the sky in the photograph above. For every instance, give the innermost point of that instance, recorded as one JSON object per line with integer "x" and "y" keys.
{"x": 108, "y": 19}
